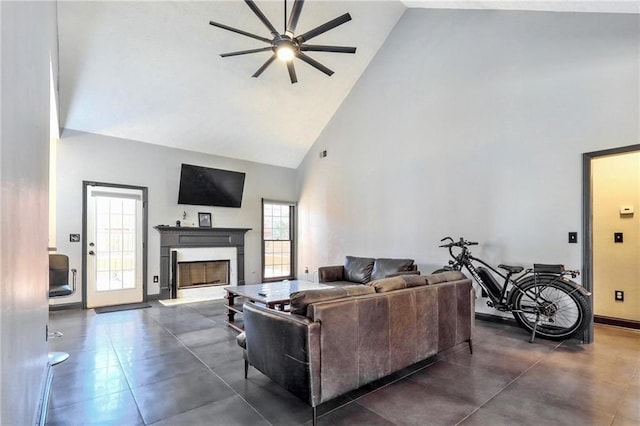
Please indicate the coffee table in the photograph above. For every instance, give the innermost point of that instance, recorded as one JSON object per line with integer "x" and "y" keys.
{"x": 275, "y": 295}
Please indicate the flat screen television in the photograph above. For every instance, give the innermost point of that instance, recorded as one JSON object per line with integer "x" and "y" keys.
{"x": 204, "y": 186}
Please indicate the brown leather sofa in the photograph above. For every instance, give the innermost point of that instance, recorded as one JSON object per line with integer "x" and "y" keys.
{"x": 361, "y": 270}
{"x": 339, "y": 339}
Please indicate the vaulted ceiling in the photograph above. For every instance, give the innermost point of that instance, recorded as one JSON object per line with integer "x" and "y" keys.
{"x": 152, "y": 71}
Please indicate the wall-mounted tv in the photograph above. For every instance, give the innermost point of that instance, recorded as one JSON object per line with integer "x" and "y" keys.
{"x": 204, "y": 186}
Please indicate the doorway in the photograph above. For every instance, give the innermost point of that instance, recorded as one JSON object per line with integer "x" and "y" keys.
{"x": 590, "y": 237}
{"x": 114, "y": 255}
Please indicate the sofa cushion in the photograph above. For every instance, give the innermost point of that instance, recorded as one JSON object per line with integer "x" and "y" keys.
{"x": 301, "y": 299}
{"x": 397, "y": 283}
{"x": 358, "y": 269}
{"x": 414, "y": 280}
{"x": 443, "y": 277}
{"x": 382, "y": 268}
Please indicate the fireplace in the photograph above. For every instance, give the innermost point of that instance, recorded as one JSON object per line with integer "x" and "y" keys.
{"x": 197, "y": 271}
{"x": 193, "y": 240}
{"x": 203, "y": 273}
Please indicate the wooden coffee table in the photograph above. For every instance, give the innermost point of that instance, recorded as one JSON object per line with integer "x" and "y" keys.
{"x": 274, "y": 295}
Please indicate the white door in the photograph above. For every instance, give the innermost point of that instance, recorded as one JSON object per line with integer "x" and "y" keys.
{"x": 114, "y": 246}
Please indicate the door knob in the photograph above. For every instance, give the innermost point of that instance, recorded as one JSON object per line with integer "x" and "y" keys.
{"x": 91, "y": 252}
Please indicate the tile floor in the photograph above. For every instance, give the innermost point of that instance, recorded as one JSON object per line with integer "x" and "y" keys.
{"x": 180, "y": 365}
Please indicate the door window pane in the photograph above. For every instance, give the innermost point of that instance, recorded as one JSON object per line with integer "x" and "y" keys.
{"x": 116, "y": 243}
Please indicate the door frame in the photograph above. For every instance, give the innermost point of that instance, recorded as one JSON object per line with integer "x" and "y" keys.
{"x": 145, "y": 220}
{"x": 587, "y": 221}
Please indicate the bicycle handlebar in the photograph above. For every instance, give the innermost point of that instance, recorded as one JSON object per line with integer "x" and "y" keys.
{"x": 460, "y": 243}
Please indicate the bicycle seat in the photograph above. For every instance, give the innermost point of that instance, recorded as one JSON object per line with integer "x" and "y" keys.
{"x": 511, "y": 269}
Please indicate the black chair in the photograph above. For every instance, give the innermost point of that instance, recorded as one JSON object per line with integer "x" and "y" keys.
{"x": 59, "y": 287}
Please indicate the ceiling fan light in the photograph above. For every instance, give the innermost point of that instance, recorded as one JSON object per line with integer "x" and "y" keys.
{"x": 285, "y": 53}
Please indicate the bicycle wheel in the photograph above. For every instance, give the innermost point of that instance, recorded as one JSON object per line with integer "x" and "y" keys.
{"x": 560, "y": 310}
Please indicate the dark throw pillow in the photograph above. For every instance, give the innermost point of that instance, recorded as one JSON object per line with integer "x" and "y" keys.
{"x": 382, "y": 268}
{"x": 358, "y": 269}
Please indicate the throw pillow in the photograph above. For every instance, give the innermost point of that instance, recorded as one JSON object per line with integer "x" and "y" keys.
{"x": 358, "y": 269}
{"x": 382, "y": 268}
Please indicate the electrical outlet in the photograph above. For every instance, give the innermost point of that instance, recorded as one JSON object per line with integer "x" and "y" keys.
{"x": 573, "y": 237}
{"x": 306, "y": 269}
{"x": 155, "y": 278}
{"x": 619, "y": 296}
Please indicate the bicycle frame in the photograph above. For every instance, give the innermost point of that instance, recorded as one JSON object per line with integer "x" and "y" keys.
{"x": 497, "y": 299}
{"x": 465, "y": 259}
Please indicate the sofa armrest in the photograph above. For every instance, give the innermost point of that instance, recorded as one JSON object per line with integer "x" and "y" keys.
{"x": 327, "y": 274}
{"x": 285, "y": 347}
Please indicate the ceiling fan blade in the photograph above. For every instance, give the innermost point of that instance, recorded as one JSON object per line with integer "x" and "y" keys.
{"x": 319, "y": 48}
{"x": 235, "y": 30}
{"x": 292, "y": 72}
{"x": 293, "y": 18}
{"x": 261, "y": 16}
{"x": 323, "y": 28}
{"x": 264, "y": 66}
{"x": 244, "y": 52}
{"x": 314, "y": 63}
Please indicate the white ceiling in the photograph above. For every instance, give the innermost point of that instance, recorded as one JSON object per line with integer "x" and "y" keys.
{"x": 151, "y": 71}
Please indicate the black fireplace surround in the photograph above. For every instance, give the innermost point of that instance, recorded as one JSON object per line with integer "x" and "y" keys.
{"x": 172, "y": 237}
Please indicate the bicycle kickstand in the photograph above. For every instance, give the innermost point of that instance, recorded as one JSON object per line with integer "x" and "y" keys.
{"x": 535, "y": 325}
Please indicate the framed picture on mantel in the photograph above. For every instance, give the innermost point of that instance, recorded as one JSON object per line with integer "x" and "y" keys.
{"x": 204, "y": 220}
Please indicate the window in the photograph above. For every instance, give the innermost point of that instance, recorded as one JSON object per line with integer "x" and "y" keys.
{"x": 278, "y": 245}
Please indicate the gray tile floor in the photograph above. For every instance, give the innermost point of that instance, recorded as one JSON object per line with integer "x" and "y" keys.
{"x": 180, "y": 365}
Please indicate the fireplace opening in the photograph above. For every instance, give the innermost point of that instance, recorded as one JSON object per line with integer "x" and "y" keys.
{"x": 203, "y": 273}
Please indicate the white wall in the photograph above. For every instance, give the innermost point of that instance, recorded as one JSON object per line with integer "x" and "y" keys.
{"x": 28, "y": 37}
{"x": 616, "y": 266}
{"x": 91, "y": 157}
{"x": 471, "y": 123}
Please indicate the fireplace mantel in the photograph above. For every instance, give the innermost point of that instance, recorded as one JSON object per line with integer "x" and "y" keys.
{"x": 172, "y": 237}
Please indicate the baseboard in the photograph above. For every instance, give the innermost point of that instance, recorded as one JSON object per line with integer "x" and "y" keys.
{"x": 618, "y": 322}
{"x": 496, "y": 319}
{"x": 152, "y": 297}
{"x": 45, "y": 394}
{"x": 77, "y": 305}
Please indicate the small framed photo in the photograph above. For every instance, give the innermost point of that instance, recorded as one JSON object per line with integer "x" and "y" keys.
{"x": 204, "y": 220}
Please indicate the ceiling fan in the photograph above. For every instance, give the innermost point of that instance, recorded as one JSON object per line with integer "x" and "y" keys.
{"x": 288, "y": 46}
